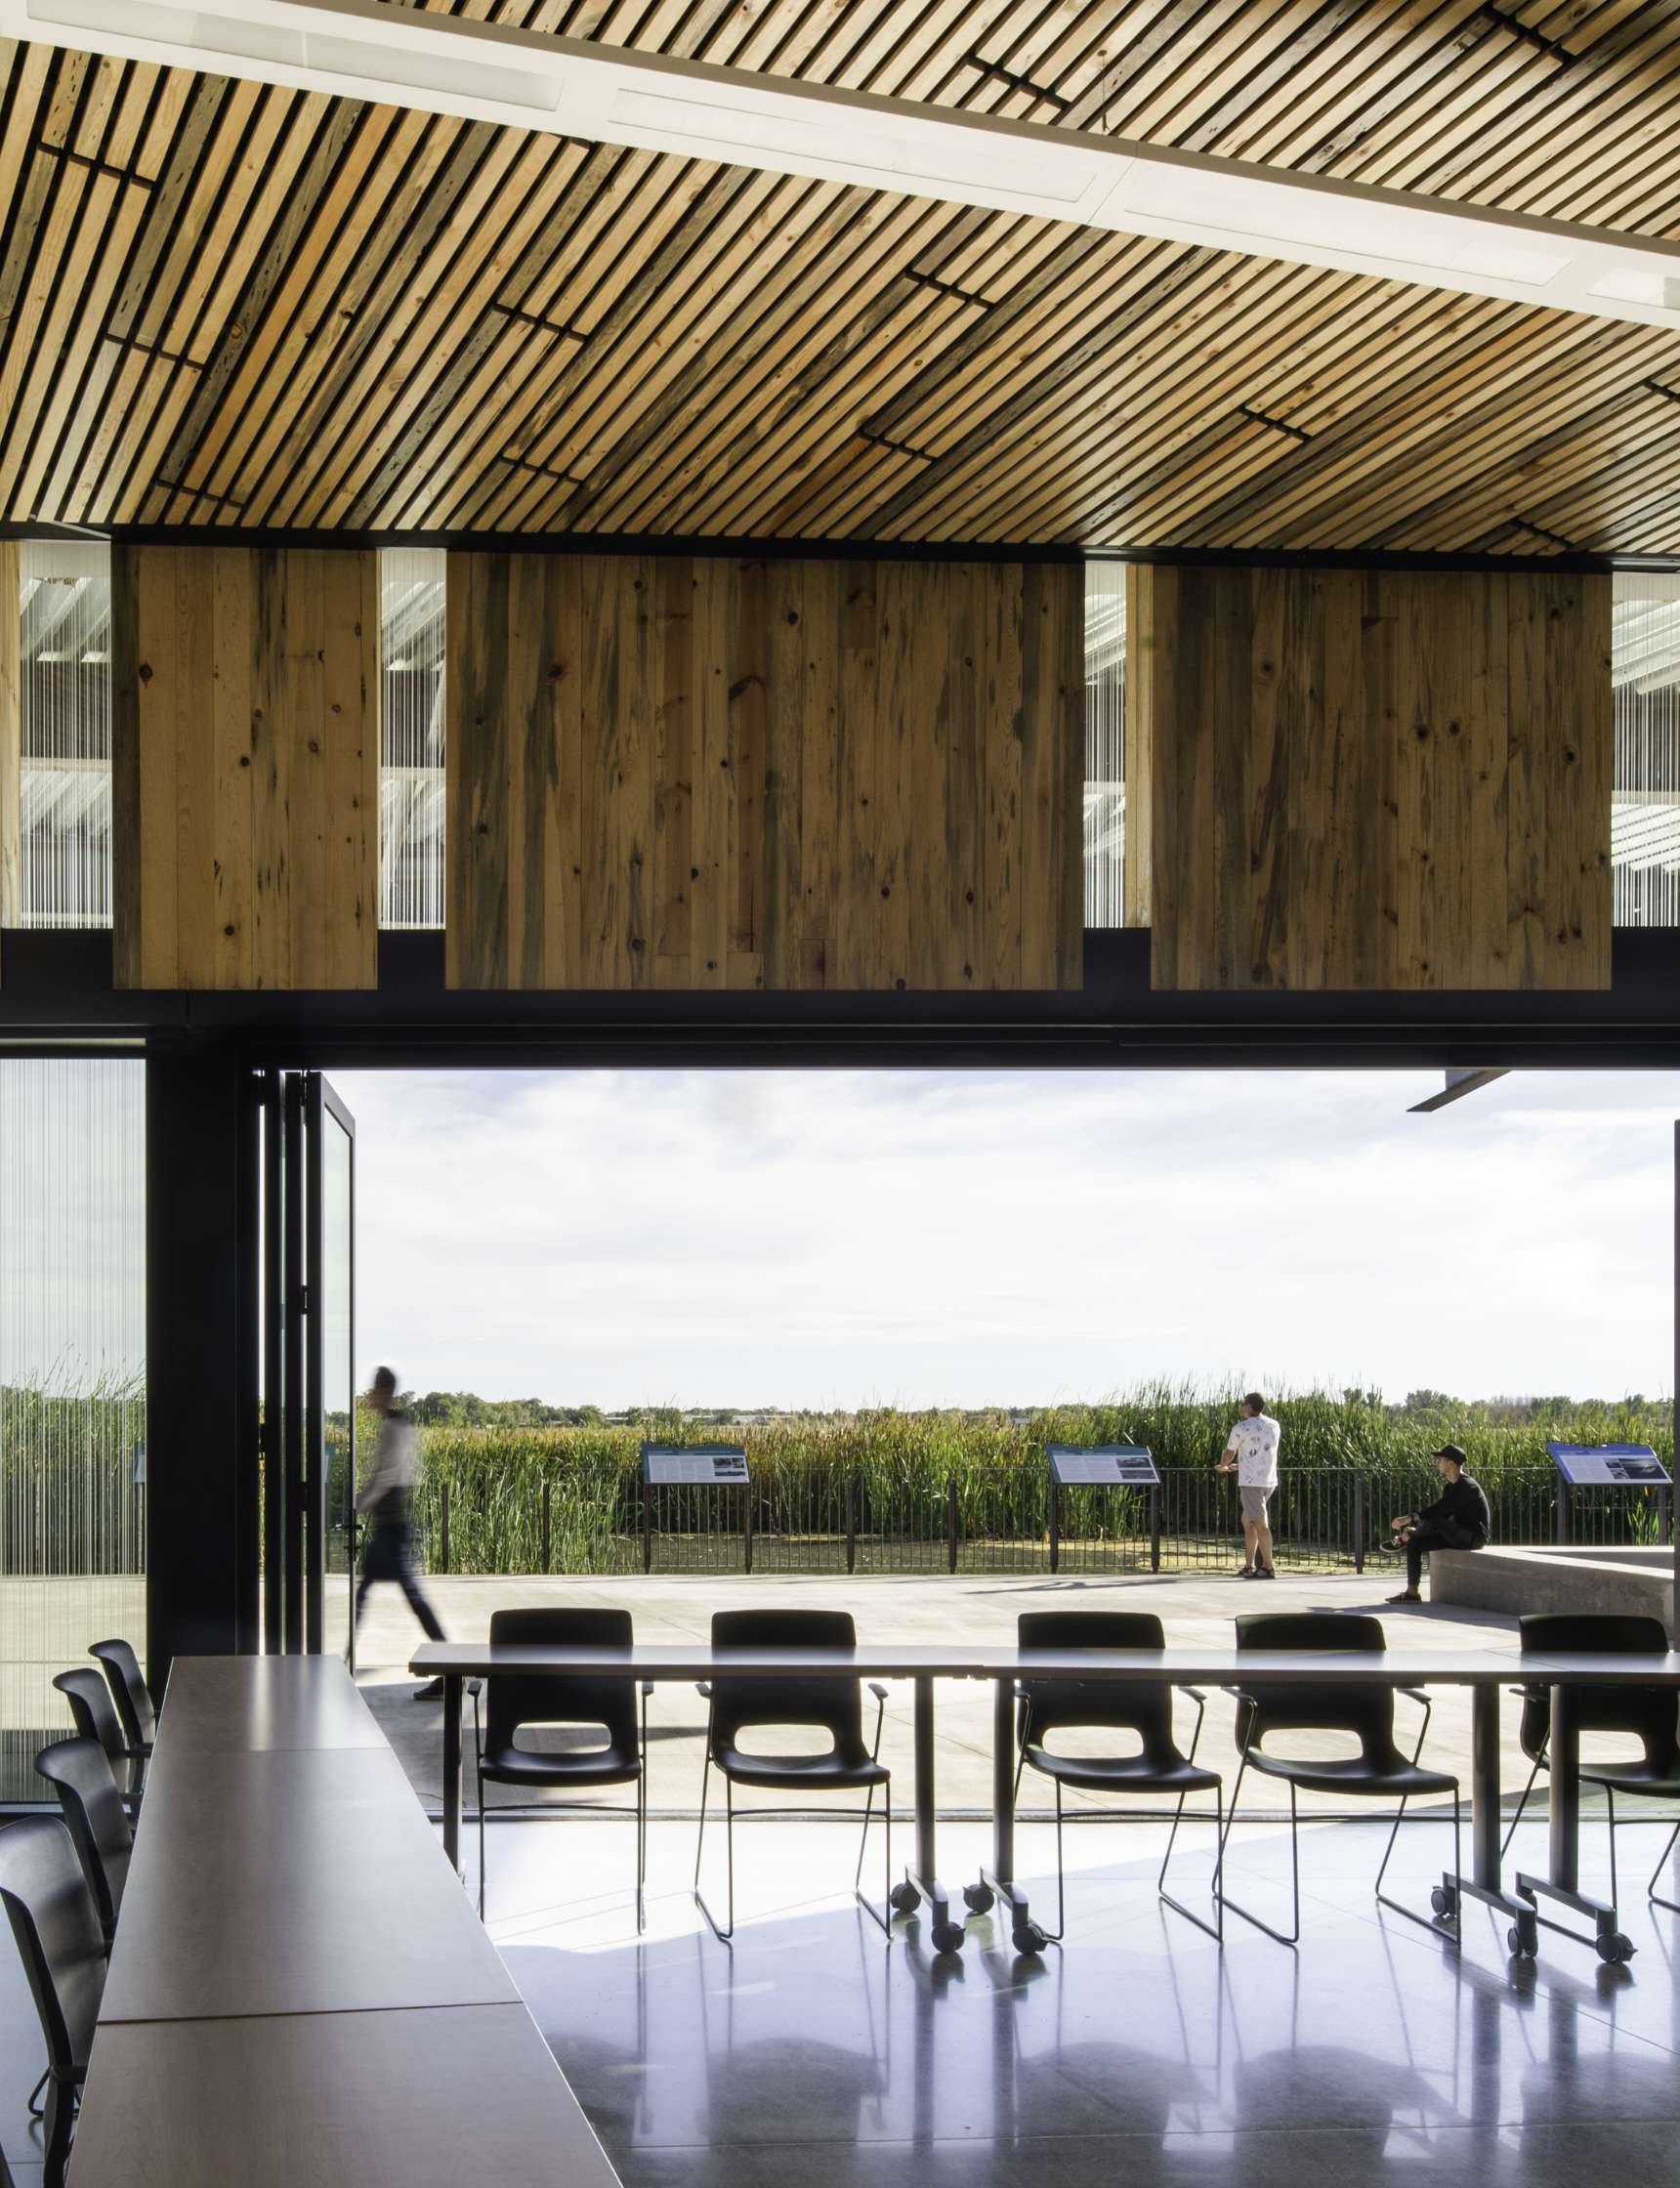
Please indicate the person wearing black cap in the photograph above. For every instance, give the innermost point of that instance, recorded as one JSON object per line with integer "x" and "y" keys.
{"x": 1457, "y": 1520}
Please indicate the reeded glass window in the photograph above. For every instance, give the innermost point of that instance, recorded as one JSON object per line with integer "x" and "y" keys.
{"x": 1105, "y": 744}
{"x": 72, "y": 1385}
{"x": 1645, "y": 807}
{"x": 411, "y": 737}
{"x": 63, "y": 819}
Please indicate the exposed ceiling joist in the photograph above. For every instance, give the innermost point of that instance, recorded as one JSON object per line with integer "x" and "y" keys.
{"x": 524, "y": 79}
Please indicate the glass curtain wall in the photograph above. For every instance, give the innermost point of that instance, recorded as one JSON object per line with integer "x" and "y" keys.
{"x": 1105, "y": 744}
{"x": 1645, "y": 808}
{"x": 72, "y": 1385}
{"x": 411, "y": 734}
{"x": 63, "y": 821}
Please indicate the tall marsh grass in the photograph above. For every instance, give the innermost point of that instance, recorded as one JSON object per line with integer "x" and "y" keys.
{"x": 903, "y": 1468}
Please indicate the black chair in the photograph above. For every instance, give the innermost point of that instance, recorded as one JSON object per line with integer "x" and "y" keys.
{"x": 56, "y": 1927}
{"x": 95, "y": 1718}
{"x": 829, "y": 1702}
{"x": 79, "y": 1772}
{"x": 515, "y": 1698}
{"x": 1049, "y": 1706}
{"x": 1649, "y": 1714}
{"x": 129, "y": 1691}
{"x": 1378, "y": 1772}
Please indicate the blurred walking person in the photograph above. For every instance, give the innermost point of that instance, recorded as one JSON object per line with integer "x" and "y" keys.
{"x": 1251, "y": 1454}
{"x": 386, "y": 1499}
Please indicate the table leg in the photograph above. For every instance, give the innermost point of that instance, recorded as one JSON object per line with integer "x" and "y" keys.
{"x": 452, "y": 1770}
{"x": 1003, "y": 1778}
{"x": 1562, "y": 1785}
{"x": 1484, "y": 1816}
{"x": 925, "y": 1795}
{"x": 999, "y": 1882}
{"x": 1562, "y": 1882}
{"x": 1486, "y": 1880}
{"x": 922, "y": 1882}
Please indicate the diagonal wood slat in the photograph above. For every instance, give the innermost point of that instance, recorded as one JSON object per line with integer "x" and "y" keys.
{"x": 234, "y": 306}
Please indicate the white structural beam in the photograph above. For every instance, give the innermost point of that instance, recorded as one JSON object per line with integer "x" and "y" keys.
{"x": 525, "y": 79}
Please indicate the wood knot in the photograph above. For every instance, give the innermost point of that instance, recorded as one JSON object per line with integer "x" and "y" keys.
{"x": 145, "y": 672}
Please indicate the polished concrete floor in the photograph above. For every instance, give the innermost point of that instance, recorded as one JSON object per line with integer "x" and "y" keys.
{"x": 811, "y": 2052}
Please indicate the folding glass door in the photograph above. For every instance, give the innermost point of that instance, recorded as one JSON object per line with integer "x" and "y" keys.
{"x": 308, "y": 1427}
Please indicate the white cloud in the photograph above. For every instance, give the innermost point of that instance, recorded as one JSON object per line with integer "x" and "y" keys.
{"x": 841, "y": 1237}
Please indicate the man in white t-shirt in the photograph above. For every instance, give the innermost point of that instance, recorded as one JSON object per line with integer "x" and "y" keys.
{"x": 1251, "y": 1454}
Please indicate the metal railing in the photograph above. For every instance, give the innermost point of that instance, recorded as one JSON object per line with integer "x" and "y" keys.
{"x": 837, "y": 1519}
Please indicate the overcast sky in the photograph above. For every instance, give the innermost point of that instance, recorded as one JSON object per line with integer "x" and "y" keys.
{"x": 844, "y": 1239}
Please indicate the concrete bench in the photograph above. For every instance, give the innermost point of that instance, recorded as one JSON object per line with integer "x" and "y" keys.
{"x": 1555, "y": 1576}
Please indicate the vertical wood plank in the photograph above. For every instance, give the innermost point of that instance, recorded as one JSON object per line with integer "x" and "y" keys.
{"x": 1138, "y": 736}
{"x": 675, "y": 711}
{"x": 1490, "y": 963}
{"x": 897, "y": 699}
{"x": 230, "y": 961}
{"x": 1003, "y": 896}
{"x": 1526, "y": 809}
{"x": 853, "y": 954}
{"x": 126, "y": 814}
{"x": 793, "y": 602}
{"x": 728, "y": 637}
{"x": 10, "y": 738}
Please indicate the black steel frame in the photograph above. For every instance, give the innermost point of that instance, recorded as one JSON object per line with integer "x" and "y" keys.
{"x": 571, "y": 1807}
{"x": 724, "y": 1932}
{"x": 1215, "y": 1928}
{"x": 1590, "y": 1777}
{"x": 1446, "y": 1895}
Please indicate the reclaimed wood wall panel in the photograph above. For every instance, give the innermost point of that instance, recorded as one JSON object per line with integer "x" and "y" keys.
{"x": 1375, "y": 778}
{"x": 246, "y": 768}
{"x": 688, "y": 772}
{"x": 234, "y": 305}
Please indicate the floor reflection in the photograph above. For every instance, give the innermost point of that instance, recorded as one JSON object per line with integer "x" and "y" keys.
{"x": 811, "y": 2053}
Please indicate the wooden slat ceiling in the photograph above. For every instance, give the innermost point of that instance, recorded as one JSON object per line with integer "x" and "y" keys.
{"x": 227, "y": 304}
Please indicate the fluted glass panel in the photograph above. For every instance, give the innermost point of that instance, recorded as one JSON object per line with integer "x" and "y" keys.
{"x": 1645, "y": 809}
{"x": 64, "y": 830}
{"x": 1105, "y": 744}
{"x": 411, "y": 737}
{"x": 72, "y": 1385}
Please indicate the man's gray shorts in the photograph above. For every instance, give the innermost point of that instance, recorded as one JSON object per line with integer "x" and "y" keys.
{"x": 1254, "y": 1505}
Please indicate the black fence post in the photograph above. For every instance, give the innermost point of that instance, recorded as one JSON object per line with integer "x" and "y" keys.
{"x": 647, "y": 1525}
{"x": 1359, "y": 1523}
{"x": 1561, "y": 1511}
{"x": 1155, "y": 1527}
{"x": 747, "y": 1530}
{"x": 1054, "y": 1524}
{"x": 951, "y": 1522}
{"x": 547, "y": 1529}
{"x": 444, "y": 1529}
{"x": 1664, "y": 1515}
{"x": 850, "y": 1521}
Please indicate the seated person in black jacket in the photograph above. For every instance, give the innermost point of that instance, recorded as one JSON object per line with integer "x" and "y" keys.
{"x": 1457, "y": 1520}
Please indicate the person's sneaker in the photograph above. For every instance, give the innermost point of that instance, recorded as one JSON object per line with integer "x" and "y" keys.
{"x": 1245, "y": 1572}
{"x": 1406, "y": 1595}
{"x": 1264, "y": 1572}
{"x": 432, "y": 1691}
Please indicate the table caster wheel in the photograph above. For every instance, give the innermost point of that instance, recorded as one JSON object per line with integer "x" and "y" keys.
{"x": 906, "y": 1899}
{"x": 979, "y": 1899}
{"x": 1030, "y": 1938}
{"x": 1616, "y": 1950}
{"x": 1442, "y": 1898}
{"x": 948, "y": 1937}
{"x": 1518, "y": 1948}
